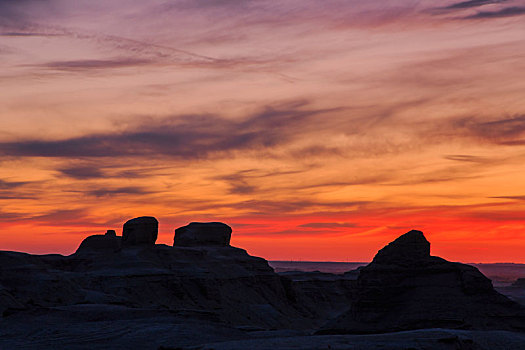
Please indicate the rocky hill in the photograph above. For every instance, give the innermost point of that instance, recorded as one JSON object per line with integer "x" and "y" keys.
{"x": 406, "y": 288}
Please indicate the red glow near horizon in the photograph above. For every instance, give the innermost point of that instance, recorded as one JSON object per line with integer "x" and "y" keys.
{"x": 320, "y": 238}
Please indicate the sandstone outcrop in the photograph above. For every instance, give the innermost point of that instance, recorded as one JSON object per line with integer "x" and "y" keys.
{"x": 405, "y": 288}
{"x": 203, "y": 234}
{"x": 140, "y": 231}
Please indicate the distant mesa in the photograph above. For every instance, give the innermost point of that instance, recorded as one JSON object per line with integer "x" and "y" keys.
{"x": 405, "y": 288}
{"x": 140, "y": 231}
{"x": 203, "y": 234}
{"x": 520, "y": 282}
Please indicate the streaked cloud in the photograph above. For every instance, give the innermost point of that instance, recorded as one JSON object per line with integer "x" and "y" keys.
{"x": 113, "y": 192}
{"x": 518, "y": 198}
{"x": 472, "y": 3}
{"x": 82, "y": 172}
{"x": 81, "y": 65}
{"x": 504, "y": 12}
{"x": 505, "y": 131}
{"x": 187, "y": 137}
{"x": 8, "y": 185}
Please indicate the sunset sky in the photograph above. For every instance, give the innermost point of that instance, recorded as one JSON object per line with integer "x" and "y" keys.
{"x": 318, "y": 130}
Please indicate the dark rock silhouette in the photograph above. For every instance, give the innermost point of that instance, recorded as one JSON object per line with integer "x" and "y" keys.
{"x": 405, "y": 288}
{"x": 100, "y": 243}
{"x": 216, "y": 283}
{"x": 203, "y": 234}
{"x": 140, "y": 231}
{"x": 408, "y": 249}
{"x": 111, "y": 233}
{"x": 202, "y": 290}
{"x": 8, "y": 302}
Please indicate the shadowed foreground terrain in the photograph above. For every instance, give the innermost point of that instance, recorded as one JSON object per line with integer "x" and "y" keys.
{"x": 123, "y": 292}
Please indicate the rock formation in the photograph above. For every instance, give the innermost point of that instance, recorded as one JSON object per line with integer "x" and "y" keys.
{"x": 108, "y": 242}
{"x": 8, "y": 302}
{"x": 203, "y": 234}
{"x": 202, "y": 290}
{"x": 209, "y": 279}
{"x": 140, "y": 231}
{"x": 410, "y": 249}
{"x": 405, "y": 288}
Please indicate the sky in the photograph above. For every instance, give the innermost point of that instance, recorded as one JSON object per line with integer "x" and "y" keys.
{"x": 318, "y": 130}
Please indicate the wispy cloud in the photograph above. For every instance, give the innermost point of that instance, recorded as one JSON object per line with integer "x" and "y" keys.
{"x": 472, "y": 3}
{"x": 499, "y": 131}
{"x": 112, "y": 192}
{"x": 505, "y": 12}
{"x": 82, "y": 172}
{"x": 482, "y": 130}
{"x": 7, "y": 185}
{"x": 244, "y": 181}
{"x": 7, "y": 216}
{"x": 467, "y": 158}
{"x": 82, "y": 65}
{"x": 269, "y": 207}
{"x": 28, "y": 34}
{"x": 186, "y": 137}
{"x": 518, "y": 198}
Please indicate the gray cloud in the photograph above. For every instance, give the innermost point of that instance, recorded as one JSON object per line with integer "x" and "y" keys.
{"x": 467, "y": 158}
{"x": 498, "y": 131}
{"x": 262, "y": 208}
{"x": 506, "y": 12}
{"x": 76, "y": 218}
{"x": 7, "y": 185}
{"x": 15, "y": 196}
{"x": 186, "y": 137}
{"x": 503, "y": 131}
{"x": 143, "y": 53}
{"x": 82, "y": 65}
{"x": 82, "y": 172}
{"x": 317, "y": 151}
{"x": 57, "y": 218}
{"x": 17, "y": 12}
{"x": 518, "y": 198}
{"x": 28, "y": 34}
{"x": 7, "y": 216}
{"x": 266, "y": 207}
{"x": 203, "y": 4}
{"x": 240, "y": 181}
{"x": 472, "y": 3}
{"x": 110, "y": 192}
